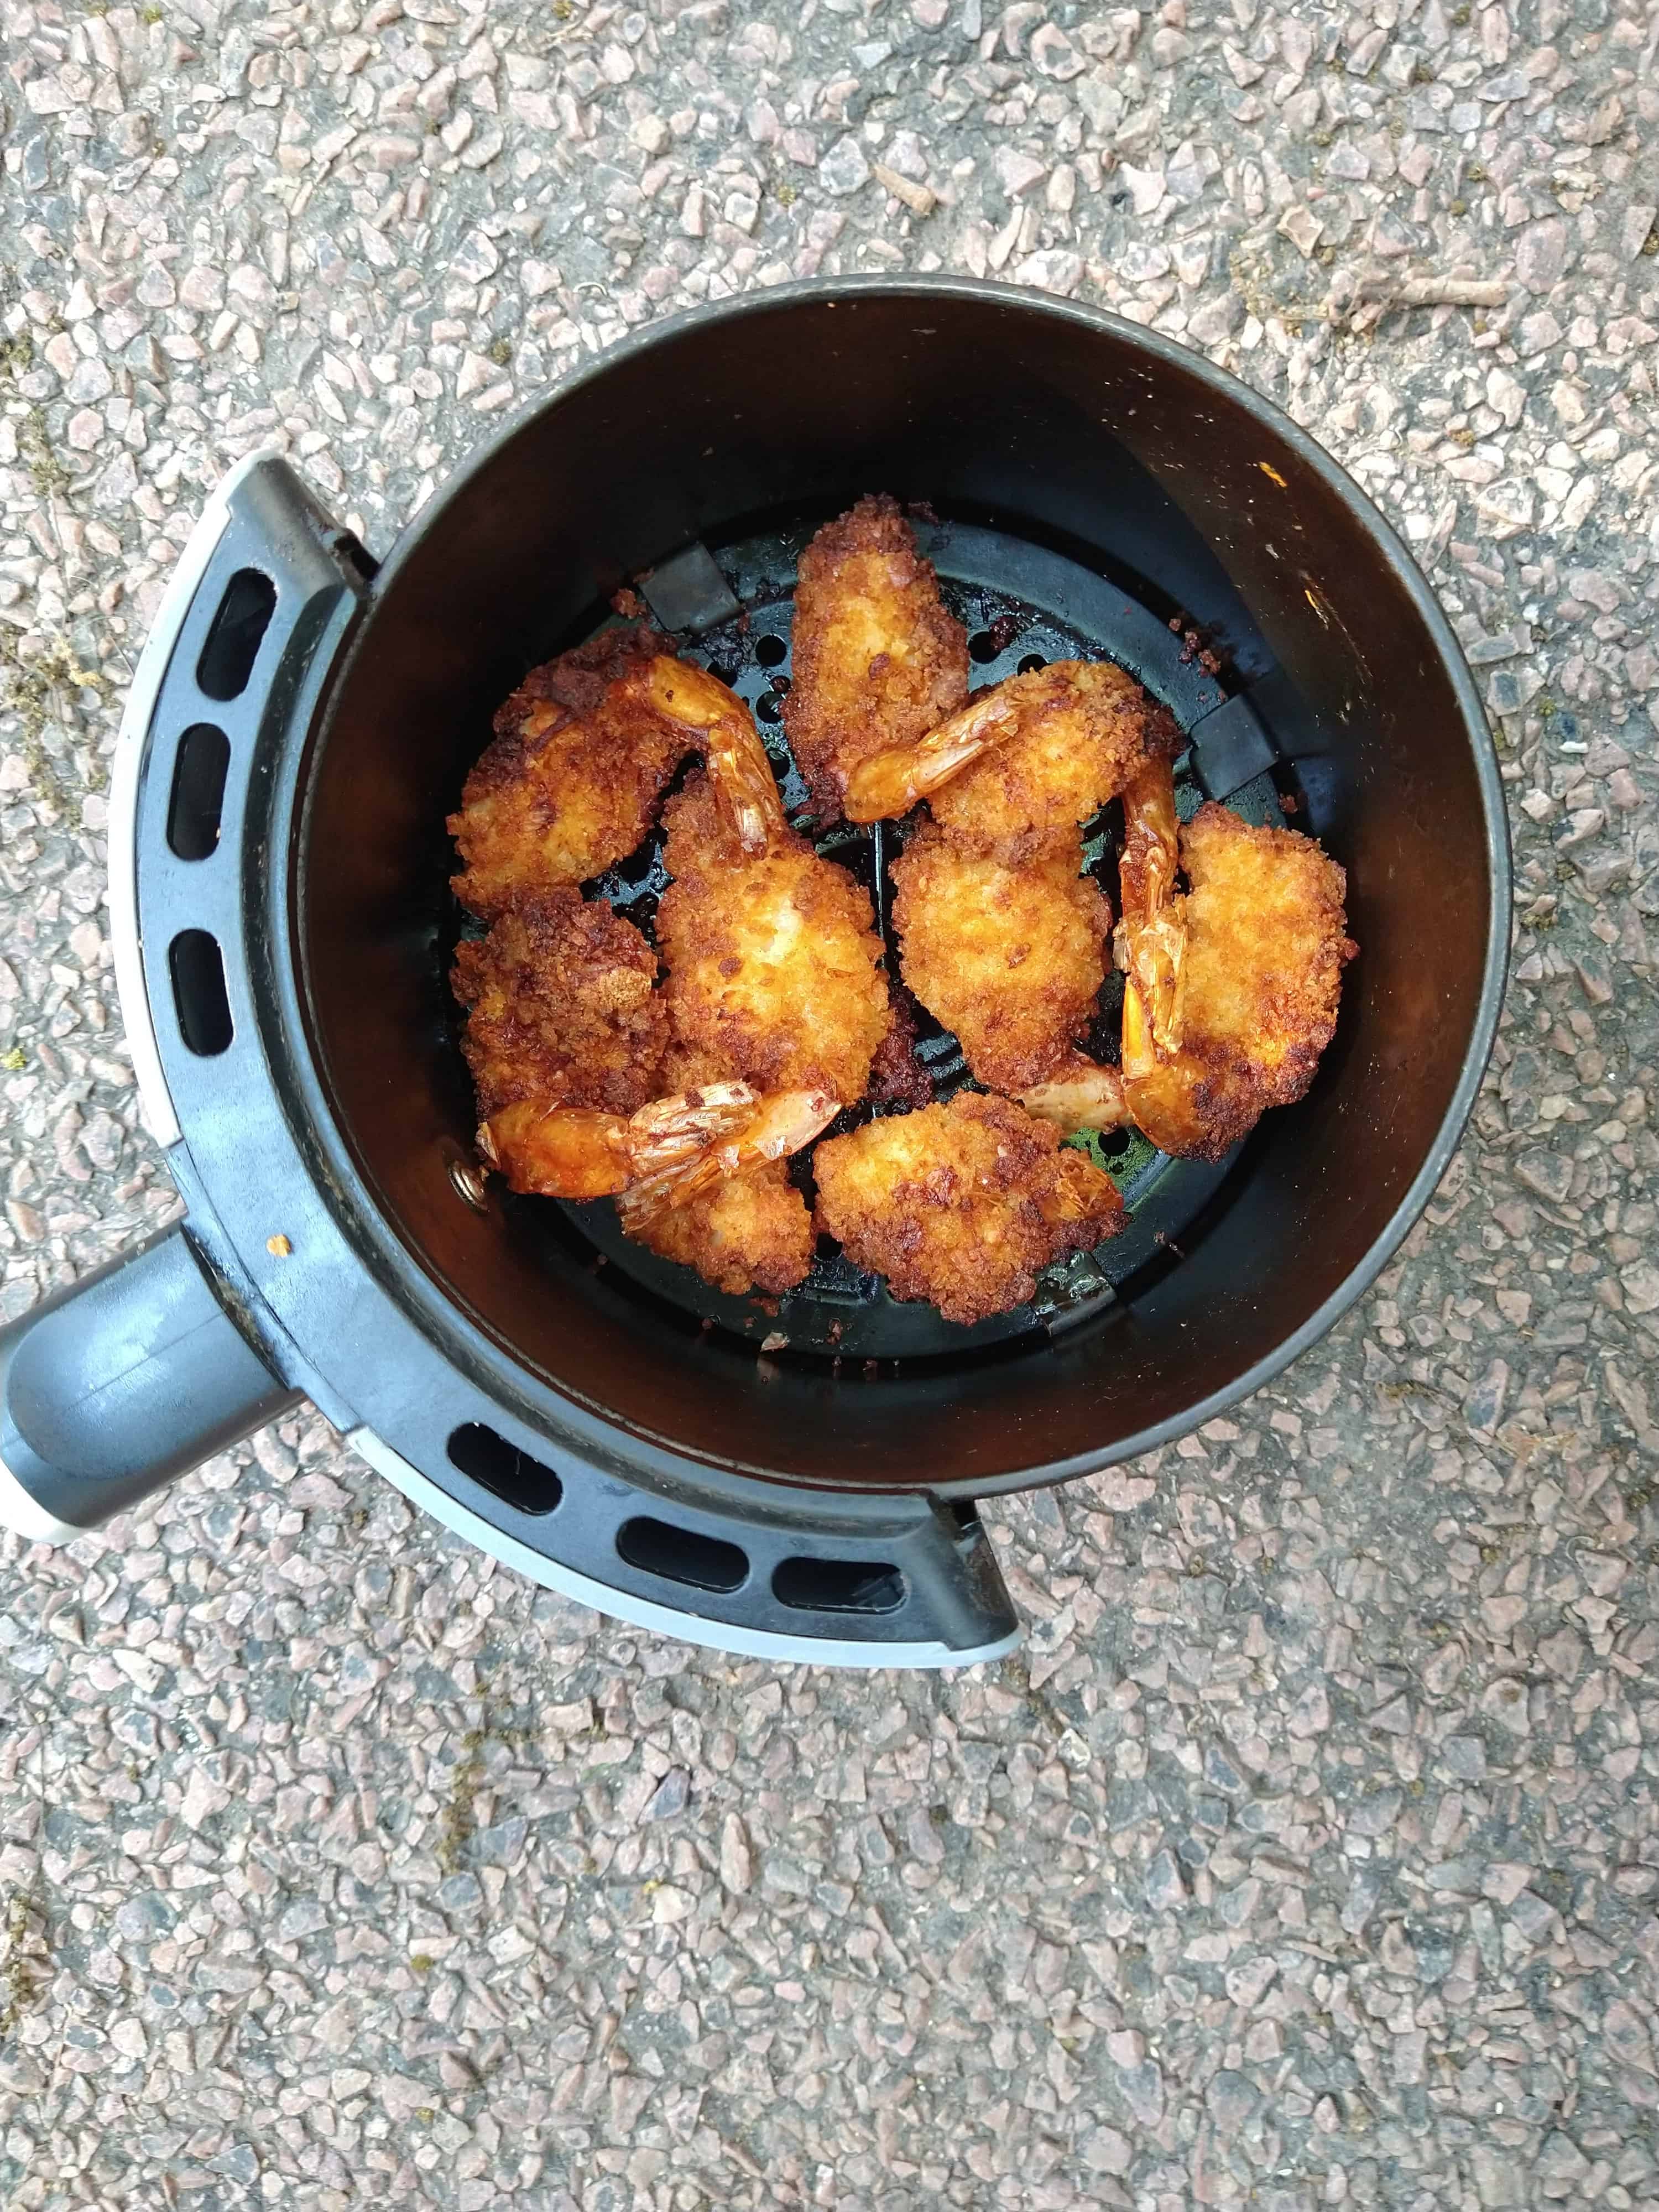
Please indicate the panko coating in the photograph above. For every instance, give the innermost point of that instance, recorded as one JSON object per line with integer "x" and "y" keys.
{"x": 897, "y": 1076}
{"x": 1267, "y": 942}
{"x": 1010, "y": 958}
{"x": 750, "y": 1231}
{"x": 562, "y": 1007}
{"x": 962, "y": 1204}
{"x": 580, "y": 757}
{"x": 877, "y": 659}
{"x": 773, "y": 964}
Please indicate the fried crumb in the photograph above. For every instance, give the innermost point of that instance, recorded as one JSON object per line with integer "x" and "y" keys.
{"x": 897, "y": 1078}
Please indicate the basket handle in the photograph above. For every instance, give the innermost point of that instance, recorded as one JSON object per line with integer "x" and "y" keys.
{"x": 119, "y": 1383}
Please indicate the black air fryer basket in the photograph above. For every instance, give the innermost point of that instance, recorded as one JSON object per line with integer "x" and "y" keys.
{"x": 793, "y": 1477}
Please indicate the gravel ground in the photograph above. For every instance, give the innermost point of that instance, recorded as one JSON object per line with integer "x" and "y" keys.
{"x": 1308, "y": 1855}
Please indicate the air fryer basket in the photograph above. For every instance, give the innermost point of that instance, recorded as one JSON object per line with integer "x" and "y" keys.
{"x": 1092, "y": 486}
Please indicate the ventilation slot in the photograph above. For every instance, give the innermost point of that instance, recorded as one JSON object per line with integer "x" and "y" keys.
{"x": 198, "y": 792}
{"x": 233, "y": 643}
{"x": 197, "y": 970}
{"x": 682, "y": 1555}
{"x": 838, "y": 1586}
{"x": 524, "y": 1483}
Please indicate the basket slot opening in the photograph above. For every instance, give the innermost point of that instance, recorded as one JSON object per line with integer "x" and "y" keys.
{"x": 197, "y": 970}
{"x": 198, "y": 791}
{"x": 514, "y": 1476}
{"x": 238, "y": 630}
{"x": 682, "y": 1555}
{"x": 838, "y": 1585}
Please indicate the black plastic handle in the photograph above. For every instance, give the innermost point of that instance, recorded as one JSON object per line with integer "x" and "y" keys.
{"x": 118, "y": 1384}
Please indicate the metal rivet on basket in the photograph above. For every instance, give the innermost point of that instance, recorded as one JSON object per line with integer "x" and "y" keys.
{"x": 469, "y": 1184}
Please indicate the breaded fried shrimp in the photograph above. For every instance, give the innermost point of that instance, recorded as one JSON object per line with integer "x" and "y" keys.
{"x": 562, "y": 1005}
{"x": 1265, "y": 944}
{"x": 1010, "y": 958}
{"x": 962, "y": 1204}
{"x": 877, "y": 659}
{"x": 1033, "y": 755}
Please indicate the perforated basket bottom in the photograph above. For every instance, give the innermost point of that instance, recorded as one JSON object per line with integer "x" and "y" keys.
{"x": 1023, "y": 605}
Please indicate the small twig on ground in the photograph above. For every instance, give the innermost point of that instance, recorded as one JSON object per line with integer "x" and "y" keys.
{"x": 1362, "y": 300}
{"x": 1434, "y": 291}
{"x": 920, "y": 199}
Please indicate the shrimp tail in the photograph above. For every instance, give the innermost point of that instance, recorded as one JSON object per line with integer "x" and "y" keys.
{"x": 671, "y": 1132}
{"x": 773, "y": 1127}
{"x": 1080, "y": 1094}
{"x": 891, "y": 782}
{"x": 578, "y": 1152}
{"x": 1150, "y": 943}
{"x": 746, "y": 790}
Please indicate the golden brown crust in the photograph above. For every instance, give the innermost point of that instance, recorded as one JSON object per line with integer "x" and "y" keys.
{"x": 897, "y": 1078}
{"x": 562, "y": 1008}
{"x": 1267, "y": 942}
{"x": 774, "y": 966}
{"x": 752, "y": 1231}
{"x": 1011, "y": 958}
{"x": 962, "y": 1204}
{"x": 877, "y": 659}
{"x": 1085, "y": 728}
{"x": 569, "y": 785}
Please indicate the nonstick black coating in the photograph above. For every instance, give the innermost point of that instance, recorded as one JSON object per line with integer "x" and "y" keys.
{"x": 1058, "y": 430}
{"x": 1022, "y": 606}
